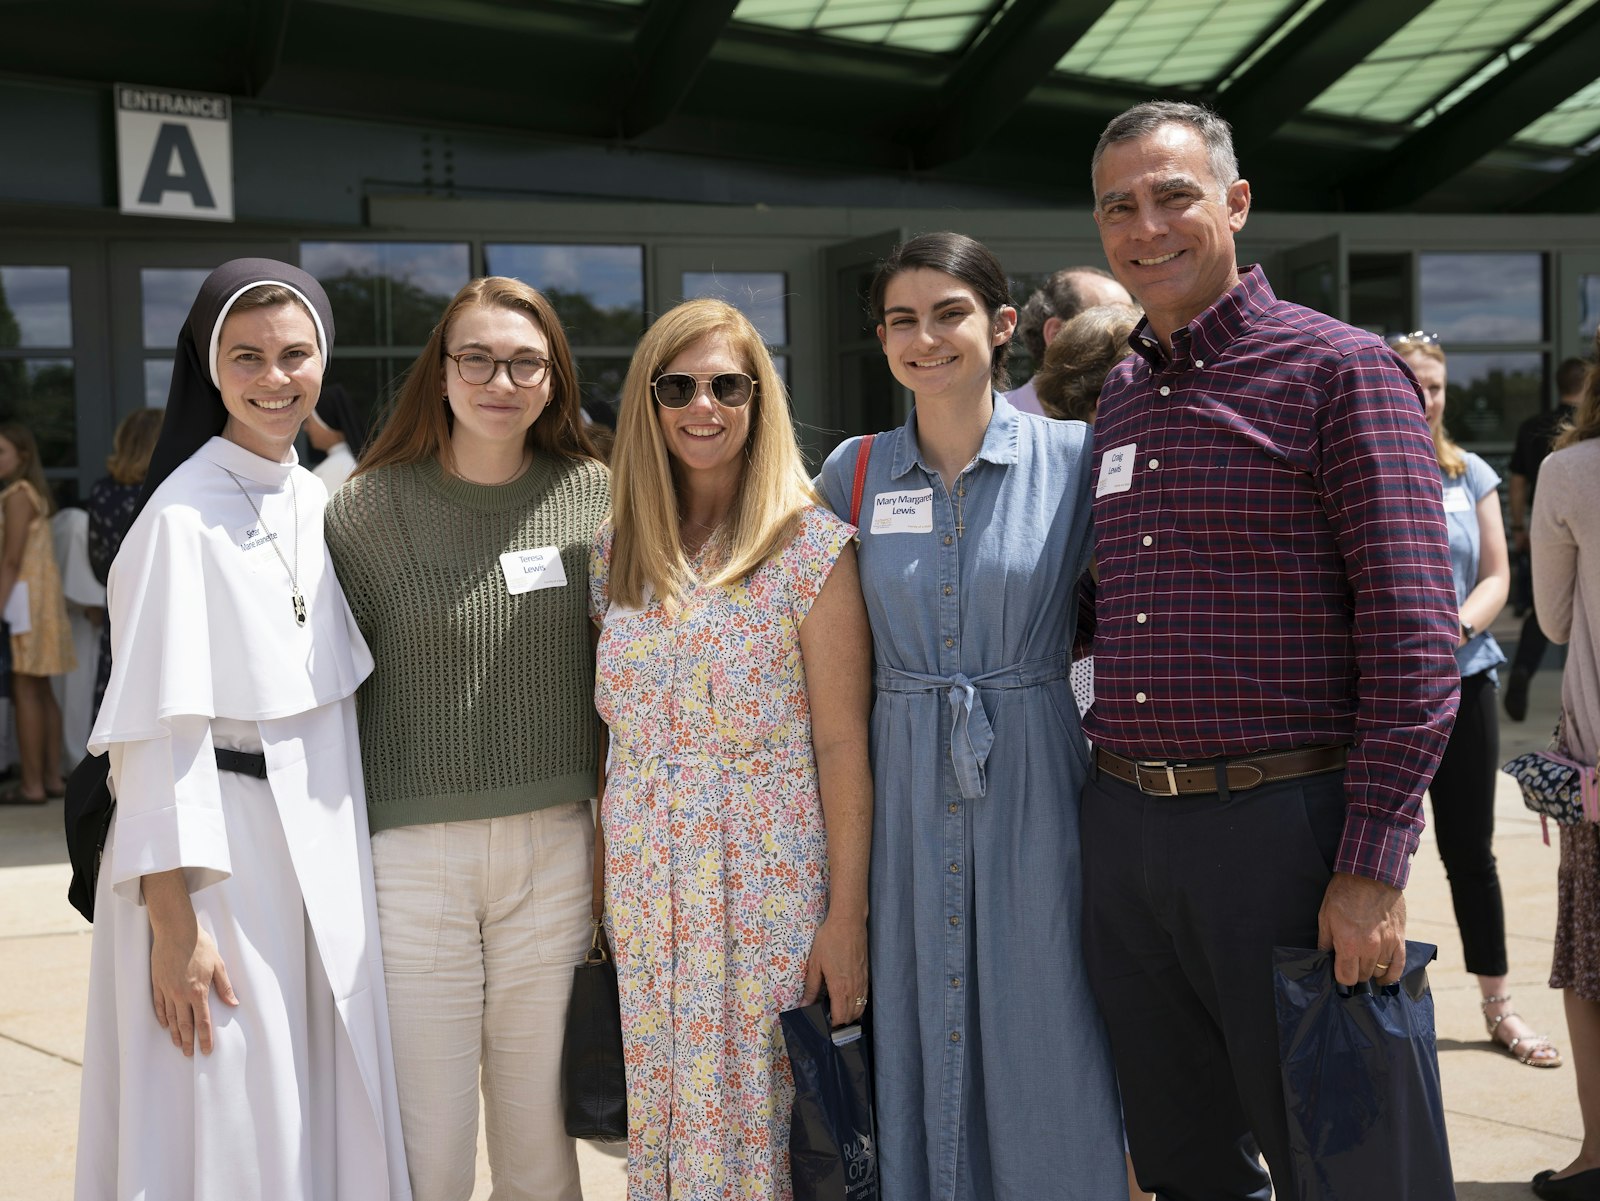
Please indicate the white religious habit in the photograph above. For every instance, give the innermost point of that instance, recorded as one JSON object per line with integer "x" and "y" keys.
{"x": 296, "y": 1101}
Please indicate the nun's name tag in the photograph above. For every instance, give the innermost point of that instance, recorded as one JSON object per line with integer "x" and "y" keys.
{"x": 1456, "y": 500}
{"x": 1116, "y": 470}
{"x": 903, "y": 512}
{"x": 529, "y": 569}
{"x": 254, "y": 536}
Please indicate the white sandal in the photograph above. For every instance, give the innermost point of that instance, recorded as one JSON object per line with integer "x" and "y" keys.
{"x": 1534, "y": 1042}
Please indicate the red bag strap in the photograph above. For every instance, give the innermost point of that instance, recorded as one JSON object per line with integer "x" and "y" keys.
{"x": 863, "y": 453}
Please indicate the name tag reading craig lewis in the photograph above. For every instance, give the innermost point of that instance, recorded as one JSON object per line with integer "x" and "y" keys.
{"x": 529, "y": 569}
{"x": 903, "y": 512}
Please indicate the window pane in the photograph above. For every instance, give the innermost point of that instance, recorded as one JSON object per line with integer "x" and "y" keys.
{"x": 371, "y": 383}
{"x": 1380, "y": 292}
{"x": 1483, "y": 297}
{"x": 387, "y": 293}
{"x": 600, "y": 379}
{"x": 759, "y": 295}
{"x": 40, "y": 394}
{"x": 597, "y": 291}
{"x": 157, "y": 382}
{"x": 1488, "y": 395}
{"x": 1588, "y": 306}
{"x": 166, "y": 294}
{"x": 35, "y": 306}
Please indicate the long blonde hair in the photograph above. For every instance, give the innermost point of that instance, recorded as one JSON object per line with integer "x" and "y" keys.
{"x": 1585, "y": 420}
{"x": 30, "y": 468}
{"x": 1445, "y": 450}
{"x": 133, "y": 444}
{"x": 774, "y": 489}
{"x": 419, "y": 422}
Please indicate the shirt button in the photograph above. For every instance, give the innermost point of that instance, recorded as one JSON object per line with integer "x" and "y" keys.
{"x": 955, "y": 981}
{"x": 947, "y": 539}
{"x": 954, "y": 808}
{"x": 1199, "y": 362}
{"x": 949, "y": 642}
{"x": 947, "y": 589}
{"x": 954, "y": 920}
{"x": 1140, "y": 697}
{"x": 955, "y": 868}
{"x": 955, "y": 1036}
{"x": 1148, "y": 540}
{"x": 1165, "y": 391}
{"x": 1154, "y": 463}
{"x": 1142, "y": 618}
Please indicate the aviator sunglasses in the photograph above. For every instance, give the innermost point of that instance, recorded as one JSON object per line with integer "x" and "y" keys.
{"x": 730, "y": 389}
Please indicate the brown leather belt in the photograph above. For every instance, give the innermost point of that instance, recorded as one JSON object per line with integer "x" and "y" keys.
{"x": 1160, "y": 778}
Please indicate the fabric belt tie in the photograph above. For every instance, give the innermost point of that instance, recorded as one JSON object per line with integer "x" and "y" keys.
{"x": 1161, "y": 778}
{"x": 971, "y": 735}
{"x": 245, "y": 763}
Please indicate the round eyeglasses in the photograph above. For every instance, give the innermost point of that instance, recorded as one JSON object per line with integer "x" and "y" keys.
{"x": 730, "y": 389}
{"x": 525, "y": 372}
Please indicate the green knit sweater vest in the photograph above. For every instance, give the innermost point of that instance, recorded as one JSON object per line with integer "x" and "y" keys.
{"x": 481, "y": 702}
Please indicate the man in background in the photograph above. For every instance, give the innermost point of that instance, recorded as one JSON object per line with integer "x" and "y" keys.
{"x": 1066, "y": 294}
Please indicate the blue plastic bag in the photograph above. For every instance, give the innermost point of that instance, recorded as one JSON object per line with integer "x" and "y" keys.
{"x": 1361, "y": 1082}
{"x": 833, "y": 1147}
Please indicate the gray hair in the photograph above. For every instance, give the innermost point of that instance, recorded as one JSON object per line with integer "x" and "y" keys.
{"x": 1144, "y": 119}
{"x": 1062, "y": 296}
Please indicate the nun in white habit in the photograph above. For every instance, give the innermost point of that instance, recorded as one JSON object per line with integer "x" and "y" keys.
{"x": 238, "y": 1038}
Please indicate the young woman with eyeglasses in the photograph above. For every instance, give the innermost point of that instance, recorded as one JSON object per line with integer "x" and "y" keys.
{"x": 737, "y": 806}
{"x": 463, "y": 544}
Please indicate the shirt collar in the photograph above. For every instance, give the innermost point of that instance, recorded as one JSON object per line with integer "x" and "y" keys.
{"x": 999, "y": 440}
{"x": 1206, "y": 337}
{"x": 230, "y": 456}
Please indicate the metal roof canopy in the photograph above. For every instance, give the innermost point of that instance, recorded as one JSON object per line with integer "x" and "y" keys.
{"x": 1378, "y": 105}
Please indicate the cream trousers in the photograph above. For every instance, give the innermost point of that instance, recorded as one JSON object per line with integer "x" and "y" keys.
{"x": 482, "y": 923}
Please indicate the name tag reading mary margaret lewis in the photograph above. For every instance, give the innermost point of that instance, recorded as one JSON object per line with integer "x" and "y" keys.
{"x": 903, "y": 512}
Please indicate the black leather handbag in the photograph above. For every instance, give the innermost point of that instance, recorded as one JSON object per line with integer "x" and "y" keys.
{"x": 88, "y": 819}
{"x": 594, "y": 1083}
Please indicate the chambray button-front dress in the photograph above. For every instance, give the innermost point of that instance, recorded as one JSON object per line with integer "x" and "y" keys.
{"x": 993, "y": 1075}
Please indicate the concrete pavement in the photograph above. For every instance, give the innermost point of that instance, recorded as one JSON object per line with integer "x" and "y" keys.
{"x": 1506, "y": 1121}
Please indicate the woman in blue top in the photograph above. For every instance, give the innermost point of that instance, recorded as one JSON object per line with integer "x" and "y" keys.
{"x": 1462, "y": 792}
{"x": 993, "y": 1076}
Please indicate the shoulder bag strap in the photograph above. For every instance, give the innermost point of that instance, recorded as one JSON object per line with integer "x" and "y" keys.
{"x": 863, "y": 454}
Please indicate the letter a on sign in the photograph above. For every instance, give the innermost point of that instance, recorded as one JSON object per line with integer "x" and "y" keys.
{"x": 174, "y": 153}
{"x": 175, "y": 167}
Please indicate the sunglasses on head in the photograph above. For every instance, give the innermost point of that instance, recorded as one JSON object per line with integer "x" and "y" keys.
{"x": 1417, "y": 337}
{"x": 730, "y": 389}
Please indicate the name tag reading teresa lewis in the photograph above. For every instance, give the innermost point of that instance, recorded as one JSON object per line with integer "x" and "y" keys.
{"x": 1116, "y": 470}
{"x": 529, "y": 569}
{"x": 903, "y": 512}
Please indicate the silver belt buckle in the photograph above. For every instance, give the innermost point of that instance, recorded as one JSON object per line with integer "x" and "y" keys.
{"x": 1155, "y": 765}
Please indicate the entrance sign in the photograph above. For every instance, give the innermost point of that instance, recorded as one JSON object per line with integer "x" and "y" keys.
{"x": 174, "y": 153}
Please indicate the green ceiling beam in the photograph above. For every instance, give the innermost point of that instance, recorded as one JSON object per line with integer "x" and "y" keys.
{"x": 673, "y": 44}
{"x": 994, "y": 79}
{"x": 1495, "y": 113}
{"x": 1312, "y": 57}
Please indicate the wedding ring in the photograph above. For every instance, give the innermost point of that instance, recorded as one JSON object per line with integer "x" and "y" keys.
{"x": 1382, "y": 967}
{"x": 861, "y": 1000}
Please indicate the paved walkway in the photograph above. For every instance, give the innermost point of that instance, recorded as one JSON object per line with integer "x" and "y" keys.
{"x": 1506, "y": 1121}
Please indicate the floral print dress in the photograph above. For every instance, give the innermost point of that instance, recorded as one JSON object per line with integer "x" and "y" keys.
{"x": 716, "y": 865}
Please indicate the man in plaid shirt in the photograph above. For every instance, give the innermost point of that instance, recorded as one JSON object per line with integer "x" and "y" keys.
{"x": 1275, "y": 677}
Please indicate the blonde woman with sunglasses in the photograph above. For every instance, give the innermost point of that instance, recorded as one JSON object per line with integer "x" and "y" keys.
{"x": 733, "y": 676}
{"x": 463, "y": 544}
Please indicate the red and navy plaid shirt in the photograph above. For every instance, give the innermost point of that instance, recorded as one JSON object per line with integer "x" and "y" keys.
{"x": 1276, "y": 573}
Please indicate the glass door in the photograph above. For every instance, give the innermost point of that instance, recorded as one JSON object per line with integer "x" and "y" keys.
{"x": 54, "y": 376}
